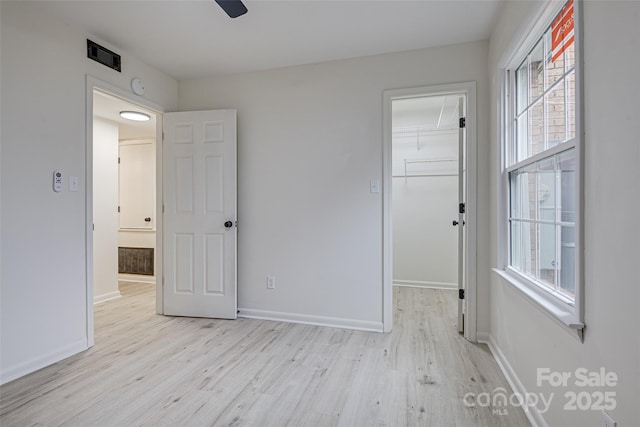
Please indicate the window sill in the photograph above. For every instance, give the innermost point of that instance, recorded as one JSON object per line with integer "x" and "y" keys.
{"x": 550, "y": 305}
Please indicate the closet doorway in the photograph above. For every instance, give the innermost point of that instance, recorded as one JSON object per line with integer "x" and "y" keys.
{"x": 427, "y": 211}
{"x": 424, "y": 152}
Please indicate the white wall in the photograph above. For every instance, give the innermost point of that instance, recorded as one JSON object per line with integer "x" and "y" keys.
{"x": 44, "y": 68}
{"x": 137, "y": 239}
{"x": 528, "y": 338}
{"x": 309, "y": 142}
{"x": 105, "y": 213}
{"x": 425, "y": 243}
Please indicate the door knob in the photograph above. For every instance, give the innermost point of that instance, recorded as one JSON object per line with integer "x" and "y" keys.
{"x": 455, "y": 223}
{"x": 147, "y": 219}
{"x": 228, "y": 224}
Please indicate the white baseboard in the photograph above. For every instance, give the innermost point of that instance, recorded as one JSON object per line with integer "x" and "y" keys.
{"x": 533, "y": 414}
{"x": 33, "y": 365}
{"x": 106, "y": 297}
{"x": 141, "y": 278}
{"x": 430, "y": 285}
{"x": 305, "y": 319}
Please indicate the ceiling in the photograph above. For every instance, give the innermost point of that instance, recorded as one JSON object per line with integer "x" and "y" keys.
{"x": 193, "y": 39}
{"x": 108, "y": 107}
{"x": 426, "y": 112}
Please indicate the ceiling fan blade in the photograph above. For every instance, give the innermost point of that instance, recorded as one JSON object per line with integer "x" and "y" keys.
{"x": 233, "y": 8}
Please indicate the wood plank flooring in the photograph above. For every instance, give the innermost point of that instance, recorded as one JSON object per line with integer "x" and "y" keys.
{"x": 150, "y": 370}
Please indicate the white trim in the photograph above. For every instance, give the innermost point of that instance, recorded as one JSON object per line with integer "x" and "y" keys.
{"x": 387, "y": 236}
{"x": 533, "y": 414}
{"x": 306, "y": 319}
{"x": 24, "y": 368}
{"x": 469, "y": 90}
{"x": 92, "y": 84}
{"x": 106, "y": 297}
{"x": 136, "y": 278}
{"x": 546, "y": 154}
{"x": 429, "y": 285}
{"x": 550, "y": 305}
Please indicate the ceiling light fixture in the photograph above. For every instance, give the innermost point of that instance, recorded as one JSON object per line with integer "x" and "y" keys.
{"x": 135, "y": 115}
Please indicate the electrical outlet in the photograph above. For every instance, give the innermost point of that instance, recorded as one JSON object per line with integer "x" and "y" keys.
{"x": 271, "y": 282}
{"x": 607, "y": 420}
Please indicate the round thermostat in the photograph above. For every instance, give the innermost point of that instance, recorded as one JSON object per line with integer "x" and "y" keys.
{"x": 138, "y": 86}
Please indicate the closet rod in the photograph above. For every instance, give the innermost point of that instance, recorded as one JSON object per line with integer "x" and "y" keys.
{"x": 407, "y": 161}
{"x": 424, "y": 175}
{"x": 429, "y": 160}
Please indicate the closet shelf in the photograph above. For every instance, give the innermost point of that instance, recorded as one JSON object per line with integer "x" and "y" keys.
{"x": 434, "y": 173}
{"x": 424, "y": 131}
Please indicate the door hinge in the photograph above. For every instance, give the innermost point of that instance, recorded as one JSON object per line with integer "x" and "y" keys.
{"x": 118, "y": 208}
{"x": 460, "y": 293}
{"x": 118, "y": 160}
{"x": 461, "y": 208}
{"x": 462, "y": 122}
{"x": 162, "y": 208}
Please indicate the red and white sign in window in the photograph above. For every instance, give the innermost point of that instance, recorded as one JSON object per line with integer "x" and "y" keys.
{"x": 562, "y": 31}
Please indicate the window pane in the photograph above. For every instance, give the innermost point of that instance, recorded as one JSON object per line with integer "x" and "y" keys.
{"x": 523, "y": 193}
{"x": 546, "y": 190}
{"x": 529, "y": 248}
{"x": 536, "y": 72}
{"x": 570, "y": 56}
{"x": 522, "y": 128}
{"x": 522, "y": 85}
{"x": 567, "y": 167}
{"x": 555, "y": 69}
{"x": 536, "y": 129}
{"x": 516, "y": 245}
{"x": 567, "y": 257}
{"x": 555, "y": 106}
{"x": 570, "y": 83}
{"x": 515, "y": 207}
{"x": 547, "y": 264}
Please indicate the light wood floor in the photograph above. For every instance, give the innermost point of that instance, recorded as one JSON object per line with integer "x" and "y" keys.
{"x": 150, "y": 370}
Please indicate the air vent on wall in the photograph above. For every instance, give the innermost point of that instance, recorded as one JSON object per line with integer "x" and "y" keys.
{"x": 103, "y": 55}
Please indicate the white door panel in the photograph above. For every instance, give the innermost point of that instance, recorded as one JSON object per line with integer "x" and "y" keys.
{"x": 200, "y": 184}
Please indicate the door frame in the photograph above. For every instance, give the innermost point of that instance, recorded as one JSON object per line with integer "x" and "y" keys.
{"x": 92, "y": 84}
{"x": 468, "y": 89}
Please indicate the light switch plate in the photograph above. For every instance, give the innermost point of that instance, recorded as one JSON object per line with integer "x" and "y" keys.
{"x": 74, "y": 183}
{"x": 374, "y": 186}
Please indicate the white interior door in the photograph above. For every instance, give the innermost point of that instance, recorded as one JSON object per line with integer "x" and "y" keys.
{"x": 461, "y": 212}
{"x": 200, "y": 186}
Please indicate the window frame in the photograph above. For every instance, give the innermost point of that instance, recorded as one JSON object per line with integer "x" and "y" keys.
{"x": 570, "y": 314}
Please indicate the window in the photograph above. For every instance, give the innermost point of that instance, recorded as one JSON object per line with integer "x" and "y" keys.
{"x": 541, "y": 167}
